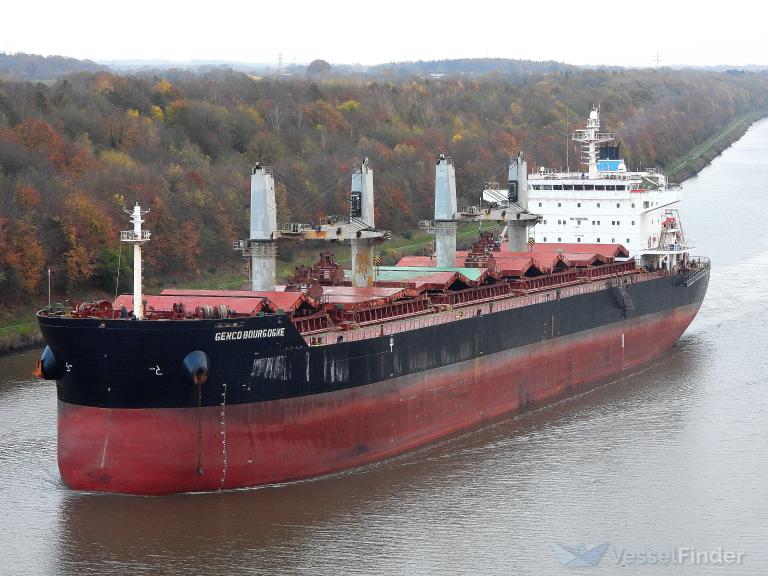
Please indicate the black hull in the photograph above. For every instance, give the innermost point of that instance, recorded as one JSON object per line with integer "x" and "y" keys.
{"x": 139, "y": 364}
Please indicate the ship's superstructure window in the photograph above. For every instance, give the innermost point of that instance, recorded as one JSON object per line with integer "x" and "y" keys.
{"x": 598, "y": 240}
{"x": 598, "y": 204}
{"x": 618, "y": 205}
{"x": 578, "y": 204}
{"x": 559, "y": 205}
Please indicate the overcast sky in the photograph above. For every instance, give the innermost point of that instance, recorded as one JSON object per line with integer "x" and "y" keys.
{"x": 624, "y": 33}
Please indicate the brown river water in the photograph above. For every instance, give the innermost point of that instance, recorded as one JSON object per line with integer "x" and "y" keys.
{"x": 659, "y": 471}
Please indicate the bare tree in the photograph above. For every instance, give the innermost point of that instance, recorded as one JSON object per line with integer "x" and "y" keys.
{"x": 275, "y": 116}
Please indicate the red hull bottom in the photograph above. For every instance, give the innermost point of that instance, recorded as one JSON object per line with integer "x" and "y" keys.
{"x": 169, "y": 450}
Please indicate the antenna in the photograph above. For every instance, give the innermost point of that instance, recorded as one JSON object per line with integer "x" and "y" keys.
{"x": 279, "y": 63}
{"x": 657, "y": 59}
{"x": 567, "y": 143}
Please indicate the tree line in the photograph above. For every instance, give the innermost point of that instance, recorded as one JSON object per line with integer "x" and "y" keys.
{"x": 75, "y": 152}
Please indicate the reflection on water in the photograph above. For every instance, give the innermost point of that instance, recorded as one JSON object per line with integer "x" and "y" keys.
{"x": 671, "y": 455}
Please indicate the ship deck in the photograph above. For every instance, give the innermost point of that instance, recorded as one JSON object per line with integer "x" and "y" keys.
{"x": 411, "y": 295}
{"x": 391, "y": 327}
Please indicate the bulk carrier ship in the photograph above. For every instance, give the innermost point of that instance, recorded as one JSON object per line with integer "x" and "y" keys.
{"x": 198, "y": 390}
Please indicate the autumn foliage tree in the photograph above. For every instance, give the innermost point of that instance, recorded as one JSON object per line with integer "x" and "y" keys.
{"x": 76, "y": 152}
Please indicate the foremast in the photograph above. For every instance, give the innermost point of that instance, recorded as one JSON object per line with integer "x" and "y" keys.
{"x": 137, "y": 237}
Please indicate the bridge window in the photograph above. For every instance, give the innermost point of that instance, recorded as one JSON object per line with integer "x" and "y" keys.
{"x": 598, "y": 204}
{"x": 557, "y": 187}
{"x": 559, "y": 240}
{"x": 618, "y": 205}
{"x": 578, "y": 204}
{"x": 645, "y": 204}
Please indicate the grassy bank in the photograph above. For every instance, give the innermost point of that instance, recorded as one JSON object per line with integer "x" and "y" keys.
{"x": 698, "y": 157}
{"x": 18, "y": 329}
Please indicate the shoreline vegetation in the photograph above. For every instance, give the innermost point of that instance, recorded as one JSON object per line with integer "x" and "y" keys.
{"x": 76, "y": 151}
{"x": 19, "y": 337}
{"x": 700, "y": 156}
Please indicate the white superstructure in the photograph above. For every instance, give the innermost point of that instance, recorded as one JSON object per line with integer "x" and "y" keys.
{"x": 608, "y": 204}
